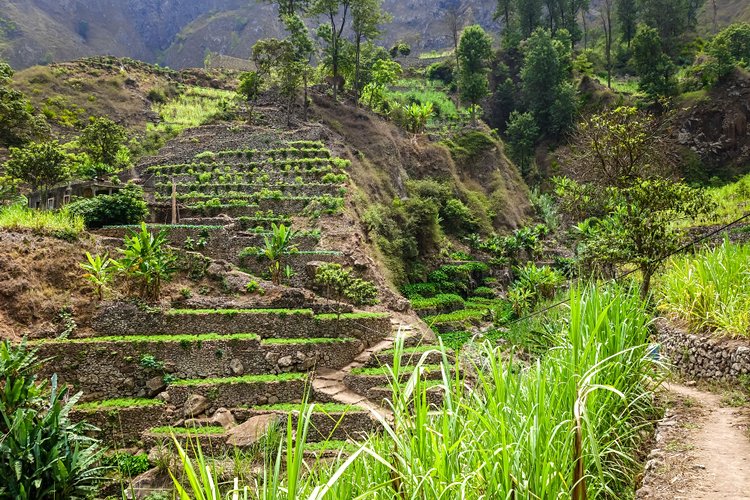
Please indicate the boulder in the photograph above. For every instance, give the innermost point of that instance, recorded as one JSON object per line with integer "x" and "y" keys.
{"x": 195, "y": 405}
{"x": 252, "y": 431}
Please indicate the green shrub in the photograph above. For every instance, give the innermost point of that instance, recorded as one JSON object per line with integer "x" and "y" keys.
{"x": 341, "y": 283}
{"x": 122, "y": 208}
{"x": 441, "y": 302}
{"x": 129, "y": 465}
{"x": 147, "y": 262}
{"x": 484, "y": 292}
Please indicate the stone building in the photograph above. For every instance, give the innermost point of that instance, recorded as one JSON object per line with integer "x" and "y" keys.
{"x": 62, "y": 194}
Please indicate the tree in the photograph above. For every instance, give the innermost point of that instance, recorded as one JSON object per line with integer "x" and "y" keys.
{"x": 102, "y": 140}
{"x": 384, "y": 72}
{"x": 626, "y": 161}
{"x": 529, "y": 15}
{"x": 367, "y": 17}
{"x": 249, "y": 88}
{"x": 281, "y": 60}
{"x": 671, "y": 19}
{"x": 342, "y": 284}
{"x": 504, "y": 11}
{"x": 41, "y": 165}
{"x": 544, "y": 85}
{"x": 729, "y": 49}
{"x": 302, "y": 52}
{"x": 289, "y": 7}
{"x": 454, "y": 21}
{"x": 522, "y": 133}
{"x": 606, "y": 15}
{"x": 474, "y": 50}
{"x": 655, "y": 69}
{"x": 616, "y": 147}
{"x": 337, "y": 12}
{"x": 626, "y": 13}
{"x": 18, "y": 122}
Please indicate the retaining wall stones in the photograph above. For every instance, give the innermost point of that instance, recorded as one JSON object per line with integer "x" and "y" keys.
{"x": 105, "y": 370}
{"x": 703, "y": 356}
{"x": 120, "y": 318}
{"x": 233, "y": 395}
{"x": 123, "y": 426}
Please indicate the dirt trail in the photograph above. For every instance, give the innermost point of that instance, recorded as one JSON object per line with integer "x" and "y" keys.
{"x": 702, "y": 450}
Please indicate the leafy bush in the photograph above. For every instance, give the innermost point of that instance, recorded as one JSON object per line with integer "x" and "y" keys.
{"x": 341, "y": 283}
{"x": 42, "y": 453}
{"x": 542, "y": 281}
{"x": 129, "y": 465}
{"x": 483, "y": 291}
{"x": 122, "y": 208}
{"x": 441, "y": 302}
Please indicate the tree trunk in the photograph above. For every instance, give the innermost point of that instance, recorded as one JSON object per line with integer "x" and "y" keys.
{"x": 356, "y": 69}
{"x": 647, "y": 272}
{"x": 585, "y": 30}
{"x": 304, "y": 105}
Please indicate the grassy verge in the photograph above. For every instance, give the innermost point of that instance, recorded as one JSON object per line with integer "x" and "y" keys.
{"x": 184, "y": 339}
{"x": 709, "y": 290}
{"x": 246, "y": 379}
{"x": 58, "y": 224}
{"x": 119, "y": 403}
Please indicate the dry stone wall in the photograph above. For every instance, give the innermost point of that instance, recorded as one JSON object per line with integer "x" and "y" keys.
{"x": 703, "y": 356}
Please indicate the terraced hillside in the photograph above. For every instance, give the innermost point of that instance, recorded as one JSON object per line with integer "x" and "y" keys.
{"x": 222, "y": 367}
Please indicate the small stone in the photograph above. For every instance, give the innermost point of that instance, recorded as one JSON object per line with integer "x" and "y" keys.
{"x": 195, "y": 405}
{"x": 300, "y": 356}
{"x": 272, "y": 400}
{"x": 163, "y": 396}
{"x": 224, "y": 418}
{"x": 285, "y": 362}
{"x": 272, "y": 357}
{"x": 237, "y": 367}
{"x": 155, "y": 385}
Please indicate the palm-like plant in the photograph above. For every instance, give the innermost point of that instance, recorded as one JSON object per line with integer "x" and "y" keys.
{"x": 278, "y": 245}
{"x": 147, "y": 261}
{"x": 99, "y": 272}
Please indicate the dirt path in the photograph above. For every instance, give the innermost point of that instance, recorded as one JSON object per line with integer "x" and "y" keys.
{"x": 702, "y": 450}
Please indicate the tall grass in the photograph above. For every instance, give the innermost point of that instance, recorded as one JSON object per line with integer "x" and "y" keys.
{"x": 59, "y": 224}
{"x": 709, "y": 290}
{"x": 519, "y": 432}
{"x": 732, "y": 200}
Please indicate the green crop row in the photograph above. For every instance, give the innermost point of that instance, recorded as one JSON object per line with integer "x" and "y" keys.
{"x": 245, "y": 379}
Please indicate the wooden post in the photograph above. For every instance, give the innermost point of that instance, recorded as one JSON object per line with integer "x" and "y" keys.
{"x": 174, "y": 201}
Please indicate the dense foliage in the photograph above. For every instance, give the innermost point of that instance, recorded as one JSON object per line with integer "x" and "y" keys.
{"x": 124, "y": 207}
{"x": 43, "y": 454}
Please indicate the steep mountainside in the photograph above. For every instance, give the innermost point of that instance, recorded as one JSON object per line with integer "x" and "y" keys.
{"x": 181, "y": 34}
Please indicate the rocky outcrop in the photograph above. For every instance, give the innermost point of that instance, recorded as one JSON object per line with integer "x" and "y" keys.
{"x": 717, "y": 127}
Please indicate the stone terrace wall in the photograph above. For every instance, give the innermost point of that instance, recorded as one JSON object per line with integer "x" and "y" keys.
{"x": 106, "y": 370}
{"x": 703, "y": 356}
{"x": 123, "y": 319}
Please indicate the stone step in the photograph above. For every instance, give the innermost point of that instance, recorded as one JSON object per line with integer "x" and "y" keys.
{"x": 361, "y": 380}
{"x": 410, "y": 356}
